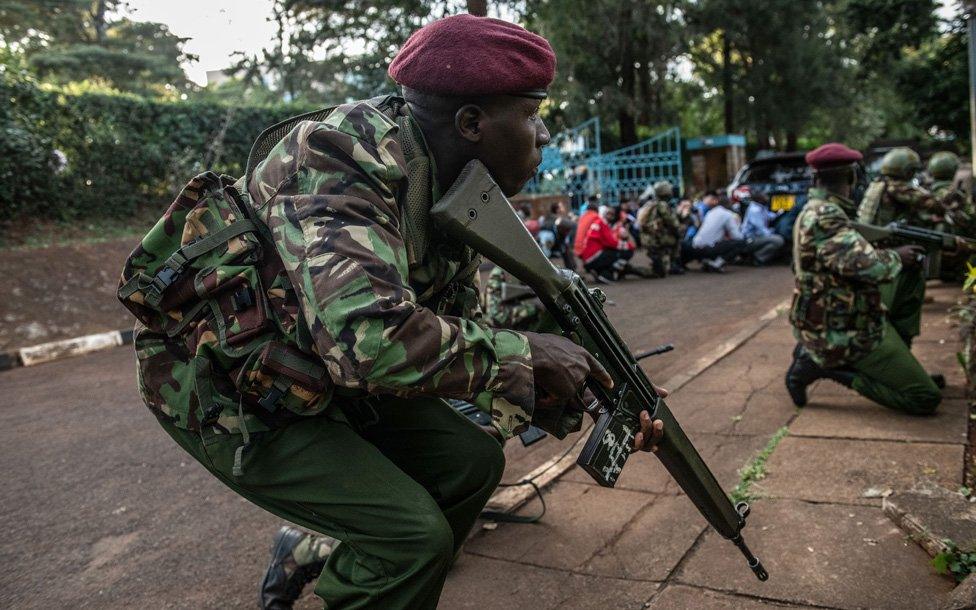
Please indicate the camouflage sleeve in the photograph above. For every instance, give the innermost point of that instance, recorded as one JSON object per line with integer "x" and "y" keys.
{"x": 494, "y": 309}
{"x": 921, "y": 203}
{"x": 845, "y": 252}
{"x": 328, "y": 193}
{"x": 954, "y": 204}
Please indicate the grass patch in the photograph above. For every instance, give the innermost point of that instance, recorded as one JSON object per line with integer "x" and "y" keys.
{"x": 756, "y": 469}
{"x": 956, "y": 563}
{"x": 33, "y": 234}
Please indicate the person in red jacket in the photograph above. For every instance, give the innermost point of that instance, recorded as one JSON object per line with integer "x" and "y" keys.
{"x": 583, "y": 226}
{"x": 607, "y": 250}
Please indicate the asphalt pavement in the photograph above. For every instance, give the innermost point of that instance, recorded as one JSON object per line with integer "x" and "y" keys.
{"x": 100, "y": 509}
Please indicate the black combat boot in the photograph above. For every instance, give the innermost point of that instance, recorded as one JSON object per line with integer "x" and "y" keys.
{"x": 676, "y": 269}
{"x": 285, "y": 579}
{"x": 804, "y": 371}
{"x": 658, "y": 266}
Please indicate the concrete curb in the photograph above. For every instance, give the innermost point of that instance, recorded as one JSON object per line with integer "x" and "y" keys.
{"x": 66, "y": 348}
{"x": 509, "y": 499}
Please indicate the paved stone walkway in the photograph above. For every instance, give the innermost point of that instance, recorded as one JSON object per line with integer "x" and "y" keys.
{"x": 818, "y": 524}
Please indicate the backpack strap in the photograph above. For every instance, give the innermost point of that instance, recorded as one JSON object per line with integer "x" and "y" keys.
{"x": 153, "y": 288}
{"x": 415, "y": 208}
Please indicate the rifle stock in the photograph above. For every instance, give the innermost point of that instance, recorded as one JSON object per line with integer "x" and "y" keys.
{"x": 476, "y": 212}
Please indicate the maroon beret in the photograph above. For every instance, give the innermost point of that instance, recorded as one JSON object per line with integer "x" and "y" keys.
{"x": 466, "y": 55}
{"x": 832, "y": 154}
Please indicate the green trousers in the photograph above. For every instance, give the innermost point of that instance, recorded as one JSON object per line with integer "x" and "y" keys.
{"x": 890, "y": 375}
{"x": 399, "y": 484}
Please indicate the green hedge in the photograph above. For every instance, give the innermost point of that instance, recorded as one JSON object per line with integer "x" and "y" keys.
{"x": 122, "y": 152}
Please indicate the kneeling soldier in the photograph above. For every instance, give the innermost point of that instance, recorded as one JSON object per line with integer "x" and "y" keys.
{"x": 854, "y": 311}
{"x": 378, "y": 314}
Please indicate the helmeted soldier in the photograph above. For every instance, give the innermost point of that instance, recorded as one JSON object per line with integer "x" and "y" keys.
{"x": 893, "y": 197}
{"x": 383, "y": 309}
{"x": 854, "y": 311}
{"x": 954, "y": 204}
{"x": 660, "y": 231}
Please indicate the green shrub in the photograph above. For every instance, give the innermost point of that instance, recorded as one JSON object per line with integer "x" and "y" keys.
{"x": 123, "y": 152}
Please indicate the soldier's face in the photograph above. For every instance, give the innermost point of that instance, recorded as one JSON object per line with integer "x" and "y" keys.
{"x": 513, "y": 135}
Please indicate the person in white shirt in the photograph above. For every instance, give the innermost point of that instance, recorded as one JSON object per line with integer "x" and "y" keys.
{"x": 718, "y": 239}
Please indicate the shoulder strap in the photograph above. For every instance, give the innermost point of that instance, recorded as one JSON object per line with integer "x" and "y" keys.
{"x": 416, "y": 207}
{"x": 272, "y": 135}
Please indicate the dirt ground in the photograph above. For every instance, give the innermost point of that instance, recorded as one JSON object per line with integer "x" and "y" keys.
{"x": 61, "y": 292}
{"x": 100, "y": 509}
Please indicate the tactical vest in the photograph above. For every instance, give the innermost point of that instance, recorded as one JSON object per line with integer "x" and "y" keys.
{"x": 838, "y": 320}
{"x": 220, "y": 341}
{"x": 871, "y": 211}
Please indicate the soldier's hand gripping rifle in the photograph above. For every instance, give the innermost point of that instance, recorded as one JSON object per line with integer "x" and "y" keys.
{"x": 934, "y": 242}
{"x": 476, "y": 212}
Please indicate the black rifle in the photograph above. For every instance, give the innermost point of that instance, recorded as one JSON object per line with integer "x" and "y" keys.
{"x": 477, "y": 213}
{"x": 934, "y": 242}
{"x": 657, "y": 351}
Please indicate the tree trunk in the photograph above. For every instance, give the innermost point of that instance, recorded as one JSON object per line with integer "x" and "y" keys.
{"x": 98, "y": 21}
{"x": 628, "y": 127}
{"x": 727, "y": 83}
{"x": 791, "y": 139}
{"x": 478, "y": 7}
{"x": 628, "y": 76}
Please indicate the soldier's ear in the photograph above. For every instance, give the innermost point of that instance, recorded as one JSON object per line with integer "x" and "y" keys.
{"x": 468, "y": 122}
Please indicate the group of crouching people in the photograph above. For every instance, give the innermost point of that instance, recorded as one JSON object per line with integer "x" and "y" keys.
{"x": 673, "y": 232}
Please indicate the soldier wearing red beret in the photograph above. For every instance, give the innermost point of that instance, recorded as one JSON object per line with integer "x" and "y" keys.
{"x": 853, "y": 304}
{"x": 383, "y": 309}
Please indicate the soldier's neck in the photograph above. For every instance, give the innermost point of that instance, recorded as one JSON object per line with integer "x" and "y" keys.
{"x": 447, "y": 152}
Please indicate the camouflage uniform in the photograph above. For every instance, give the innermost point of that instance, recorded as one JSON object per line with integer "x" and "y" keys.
{"x": 504, "y": 313}
{"x": 955, "y": 206}
{"x": 660, "y": 233}
{"x": 386, "y": 467}
{"x": 892, "y": 199}
{"x": 853, "y": 307}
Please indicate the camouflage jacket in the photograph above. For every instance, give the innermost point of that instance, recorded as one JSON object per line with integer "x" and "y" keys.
{"x": 333, "y": 194}
{"x": 888, "y": 200}
{"x": 837, "y": 313}
{"x": 659, "y": 226}
{"x": 502, "y": 310}
{"x": 955, "y": 206}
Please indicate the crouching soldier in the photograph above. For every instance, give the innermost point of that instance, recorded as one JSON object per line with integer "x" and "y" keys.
{"x": 308, "y": 373}
{"x": 854, "y": 310}
{"x": 660, "y": 231}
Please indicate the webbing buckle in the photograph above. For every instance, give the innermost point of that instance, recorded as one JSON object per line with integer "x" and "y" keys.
{"x": 270, "y": 400}
{"x": 163, "y": 279}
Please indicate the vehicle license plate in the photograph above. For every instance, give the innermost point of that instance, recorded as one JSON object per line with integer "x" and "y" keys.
{"x": 782, "y": 203}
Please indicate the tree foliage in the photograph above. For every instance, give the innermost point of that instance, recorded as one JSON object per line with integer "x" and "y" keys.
{"x": 616, "y": 58}
{"x": 67, "y": 41}
{"x": 333, "y": 50}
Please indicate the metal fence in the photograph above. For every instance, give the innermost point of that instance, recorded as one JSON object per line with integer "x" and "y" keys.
{"x": 574, "y": 164}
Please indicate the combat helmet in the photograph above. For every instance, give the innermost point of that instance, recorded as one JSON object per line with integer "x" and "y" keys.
{"x": 663, "y": 190}
{"x": 901, "y": 162}
{"x": 943, "y": 165}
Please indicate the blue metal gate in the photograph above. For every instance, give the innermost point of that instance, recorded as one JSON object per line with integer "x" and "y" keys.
{"x": 567, "y": 162}
{"x": 629, "y": 170}
{"x": 574, "y": 164}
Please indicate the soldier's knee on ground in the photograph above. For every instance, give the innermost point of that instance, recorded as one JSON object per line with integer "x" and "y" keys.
{"x": 924, "y": 401}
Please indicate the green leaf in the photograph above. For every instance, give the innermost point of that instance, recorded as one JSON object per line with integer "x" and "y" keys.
{"x": 941, "y": 563}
